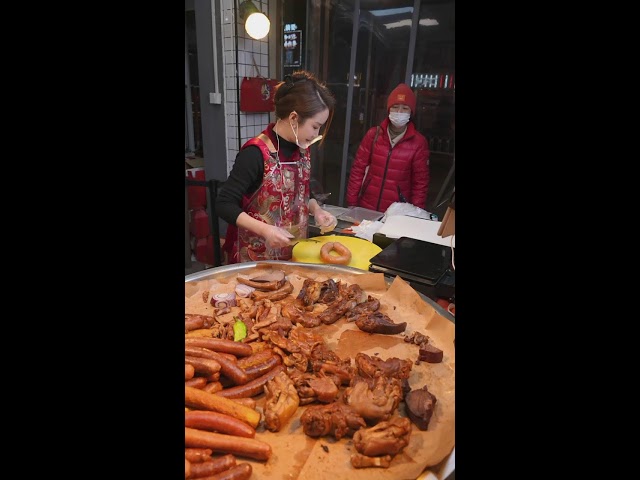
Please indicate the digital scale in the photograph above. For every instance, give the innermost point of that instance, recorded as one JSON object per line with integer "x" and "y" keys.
{"x": 426, "y": 266}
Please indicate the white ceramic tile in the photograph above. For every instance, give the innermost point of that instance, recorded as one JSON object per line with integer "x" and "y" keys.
{"x": 264, "y": 47}
{"x": 226, "y": 29}
{"x": 243, "y": 132}
{"x": 243, "y": 120}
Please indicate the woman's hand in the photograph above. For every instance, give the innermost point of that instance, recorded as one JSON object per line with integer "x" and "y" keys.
{"x": 276, "y": 237}
{"x": 326, "y": 221}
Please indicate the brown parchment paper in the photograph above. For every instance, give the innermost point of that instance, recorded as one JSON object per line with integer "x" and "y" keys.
{"x": 297, "y": 456}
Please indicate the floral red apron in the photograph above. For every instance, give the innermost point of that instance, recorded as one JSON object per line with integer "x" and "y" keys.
{"x": 281, "y": 200}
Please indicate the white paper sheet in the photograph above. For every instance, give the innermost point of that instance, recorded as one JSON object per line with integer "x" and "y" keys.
{"x": 398, "y": 226}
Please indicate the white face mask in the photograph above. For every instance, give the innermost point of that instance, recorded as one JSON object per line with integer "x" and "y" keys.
{"x": 399, "y": 119}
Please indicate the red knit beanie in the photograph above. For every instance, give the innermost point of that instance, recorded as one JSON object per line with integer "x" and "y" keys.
{"x": 403, "y": 95}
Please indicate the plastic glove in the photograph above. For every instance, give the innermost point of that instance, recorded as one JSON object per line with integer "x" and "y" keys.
{"x": 277, "y": 237}
{"x": 325, "y": 220}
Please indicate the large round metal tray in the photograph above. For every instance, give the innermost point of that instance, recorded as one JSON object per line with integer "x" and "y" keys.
{"x": 447, "y": 471}
{"x": 337, "y": 269}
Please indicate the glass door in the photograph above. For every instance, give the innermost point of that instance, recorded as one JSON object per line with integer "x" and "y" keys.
{"x": 387, "y": 47}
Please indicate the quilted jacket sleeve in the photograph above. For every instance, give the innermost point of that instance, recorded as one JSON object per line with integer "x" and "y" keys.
{"x": 360, "y": 163}
{"x": 420, "y": 175}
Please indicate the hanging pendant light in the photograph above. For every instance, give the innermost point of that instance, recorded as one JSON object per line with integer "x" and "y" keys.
{"x": 256, "y": 23}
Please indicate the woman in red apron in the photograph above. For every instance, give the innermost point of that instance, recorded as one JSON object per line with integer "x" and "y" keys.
{"x": 266, "y": 199}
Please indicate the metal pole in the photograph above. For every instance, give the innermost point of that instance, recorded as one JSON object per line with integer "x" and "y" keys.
{"x": 352, "y": 72}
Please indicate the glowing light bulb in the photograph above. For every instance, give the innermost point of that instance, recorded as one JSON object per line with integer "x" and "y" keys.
{"x": 257, "y": 25}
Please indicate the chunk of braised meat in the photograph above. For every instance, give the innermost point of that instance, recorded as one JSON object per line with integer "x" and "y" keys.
{"x": 420, "y": 404}
{"x": 374, "y": 399}
{"x": 281, "y": 402}
{"x": 336, "y": 310}
{"x": 274, "y": 295}
{"x": 417, "y": 338}
{"x": 326, "y": 361}
{"x": 297, "y": 316}
{"x": 305, "y": 338}
{"x": 312, "y": 387}
{"x": 329, "y": 291}
{"x": 374, "y": 367}
{"x": 352, "y": 292}
{"x": 386, "y": 438}
{"x": 377, "y": 322}
{"x": 362, "y": 461}
{"x": 281, "y": 341}
{"x": 309, "y": 292}
{"x": 335, "y": 419}
{"x": 370, "y": 306}
{"x": 296, "y": 361}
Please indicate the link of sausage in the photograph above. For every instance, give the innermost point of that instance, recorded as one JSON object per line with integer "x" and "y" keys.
{"x": 189, "y": 371}
{"x": 217, "y": 422}
{"x": 231, "y": 358}
{"x": 193, "y": 323}
{"x": 206, "y": 366}
{"x": 197, "y": 455}
{"x": 187, "y": 468}
{"x": 220, "y": 345}
{"x": 203, "y": 352}
{"x": 240, "y": 446}
{"x": 197, "y": 382}
{"x": 213, "y": 377}
{"x": 247, "y": 402}
{"x": 202, "y": 400}
{"x": 212, "y": 387}
{"x": 230, "y": 369}
{"x": 216, "y": 465}
{"x": 256, "y": 371}
{"x": 242, "y": 471}
{"x": 252, "y": 388}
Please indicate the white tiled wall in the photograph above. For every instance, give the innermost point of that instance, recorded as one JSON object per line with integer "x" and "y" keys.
{"x": 251, "y": 124}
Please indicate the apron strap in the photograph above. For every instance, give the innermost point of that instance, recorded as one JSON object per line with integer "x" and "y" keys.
{"x": 267, "y": 141}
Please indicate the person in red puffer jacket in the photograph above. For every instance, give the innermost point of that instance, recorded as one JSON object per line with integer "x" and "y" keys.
{"x": 396, "y": 167}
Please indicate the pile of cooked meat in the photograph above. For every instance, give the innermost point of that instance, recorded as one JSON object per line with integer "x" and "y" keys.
{"x": 357, "y": 398}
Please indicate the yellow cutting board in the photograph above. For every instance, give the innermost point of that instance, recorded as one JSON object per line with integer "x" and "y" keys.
{"x": 308, "y": 251}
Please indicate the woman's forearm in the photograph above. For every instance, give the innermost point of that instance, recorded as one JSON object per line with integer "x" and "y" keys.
{"x": 249, "y": 223}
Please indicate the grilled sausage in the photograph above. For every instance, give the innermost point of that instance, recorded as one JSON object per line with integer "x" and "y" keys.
{"x": 221, "y": 345}
{"x": 205, "y": 366}
{"x": 256, "y": 371}
{"x": 217, "y": 422}
{"x": 196, "y": 382}
{"x": 216, "y": 465}
{"x": 201, "y": 400}
{"x": 212, "y": 387}
{"x": 241, "y": 471}
{"x": 197, "y": 455}
{"x": 241, "y": 446}
{"x": 252, "y": 388}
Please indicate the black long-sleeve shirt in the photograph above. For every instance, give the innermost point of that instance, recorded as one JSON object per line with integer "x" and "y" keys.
{"x": 245, "y": 178}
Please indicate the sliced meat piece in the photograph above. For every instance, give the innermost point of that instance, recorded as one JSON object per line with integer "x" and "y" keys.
{"x": 429, "y": 353}
{"x": 377, "y": 322}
